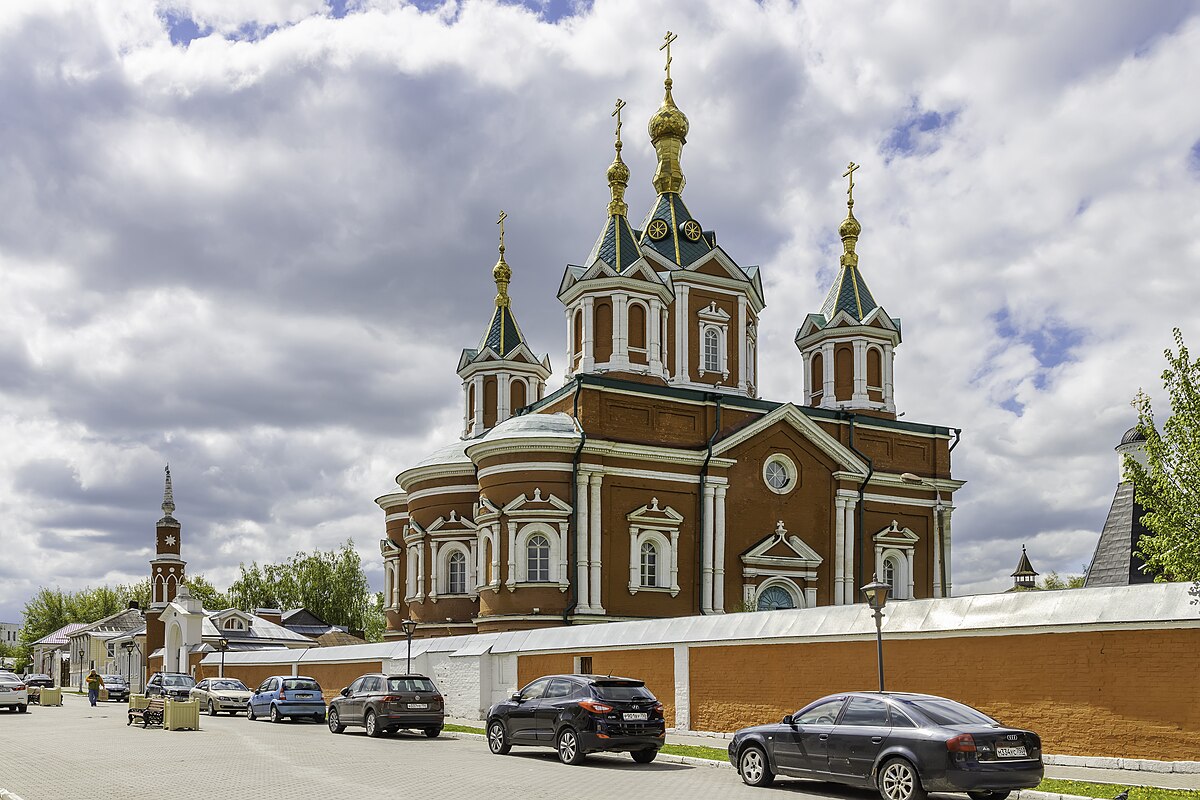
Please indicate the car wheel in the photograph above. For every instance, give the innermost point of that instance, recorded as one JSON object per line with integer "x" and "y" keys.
{"x": 250, "y": 712}
{"x": 318, "y": 718}
{"x": 989, "y": 795}
{"x": 753, "y": 767}
{"x": 497, "y": 738}
{"x": 22, "y": 709}
{"x": 275, "y": 715}
{"x": 898, "y": 780}
{"x": 335, "y": 724}
{"x": 433, "y": 733}
{"x": 372, "y": 725}
{"x": 644, "y": 756}
{"x": 212, "y": 709}
{"x": 569, "y": 751}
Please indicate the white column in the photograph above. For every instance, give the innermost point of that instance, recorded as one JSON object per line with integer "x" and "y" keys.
{"x": 706, "y": 535}
{"x": 503, "y": 397}
{"x": 620, "y": 356}
{"x": 719, "y": 551}
{"x": 570, "y": 340}
{"x": 564, "y": 566}
{"x": 851, "y": 545}
{"x": 683, "y": 688}
{"x": 588, "y": 362}
{"x": 433, "y": 570}
{"x": 946, "y": 550}
{"x": 743, "y": 374}
{"x": 635, "y": 577}
{"x": 478, "y": 428}
{"x": 839, "y": 547}
{"x": 888, "y": 391}
{"x": 908, "y": 556}
{"x": 938, "y": 545}
{"x": 480, "y": 555}
{"x": 879, "y": 564}
{"x": 860, "y": 371}
{"x": 511, "y": 578}
{"x": 473, "y": 568}
{"x": 682, "y": 316}
{"x": 674, "y": 562}
{"x": 468, "y": 387}
{"x": 420, "y": 571}
{"x": 396, "y": 583}
{"x": 653, "y": 343}
{"x": 663, "y": 344}
{"x": 806, "y": 357}
{"x": 410, "y": 572}
{"x": 496, "y": 554}
{"x": 828, "y": 399}
{"x": 595, "y": 579}
{"x": 583, "y": 604}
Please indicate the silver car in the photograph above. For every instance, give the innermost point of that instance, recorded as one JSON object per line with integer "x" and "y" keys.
{"x": 13, "y": 693}
{"x": 221, "y": 694}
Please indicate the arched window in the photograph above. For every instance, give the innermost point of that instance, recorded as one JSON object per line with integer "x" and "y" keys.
{"x": 637, "y": 326}
{"x": 817, "y": 376}
{"x": 489, "y": 574}
{"x": 874, "y": 368}
{"x": 712, "y": 350}
{"x": 649, "y": 564}
{"x": 774, "y": 598}
{"x": 577, "y": 335}
{"x": 890, "y": 571}
{"x": 517, "y": 397}
{"x": 537, "y": 559}
{"x": 456, "y": 582}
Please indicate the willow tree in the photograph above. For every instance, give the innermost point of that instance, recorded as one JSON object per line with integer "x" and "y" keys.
{"x": 1168, "y": 486}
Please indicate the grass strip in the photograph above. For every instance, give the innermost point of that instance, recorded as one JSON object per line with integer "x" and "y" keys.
{"x": 697, "y": 751}
{"x": 462, "y": 729}
{"x": 1111, "y": 790}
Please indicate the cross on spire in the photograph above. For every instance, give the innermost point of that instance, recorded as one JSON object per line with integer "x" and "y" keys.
{"x": 617, "y": 113}
{"x": 666, "y": 45}
{"x": 849, "y": 173}
{"x": 500, "y": 222}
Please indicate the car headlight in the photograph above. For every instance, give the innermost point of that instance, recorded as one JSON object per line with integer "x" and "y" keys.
{"x": 224, "y": 699}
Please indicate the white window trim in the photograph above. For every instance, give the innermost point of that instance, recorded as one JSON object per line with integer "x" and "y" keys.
{"x": 866, "y": 368}
{"x": 713, "y": 318}
{"x": 903, "y": 579}
{"x": 667, "y": 543}
{"x": 444, "y": 551}
{"x": 789, "y": 465}
{"x": 645, "y": 333}
{"x": 558, "y": 564}
{"x": 787, "y": 584}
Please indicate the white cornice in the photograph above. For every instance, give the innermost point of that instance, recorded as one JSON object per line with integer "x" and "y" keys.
{"x": 487, "y": 448}
{"x": 526, "y": 466}
{"x": 430, "y": 472}
{"x": 800, "y": 421}
{"x": 462, "y": 488}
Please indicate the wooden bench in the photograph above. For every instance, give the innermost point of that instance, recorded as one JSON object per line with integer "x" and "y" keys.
{"x": 152, "y": 714}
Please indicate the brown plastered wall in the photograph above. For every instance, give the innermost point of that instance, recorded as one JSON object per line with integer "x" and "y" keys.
{"x": 250, "y": 674}
{"x": 656, "y": 667}
{"x": 1126, "y": 693}
{"x": 699, "y": 299}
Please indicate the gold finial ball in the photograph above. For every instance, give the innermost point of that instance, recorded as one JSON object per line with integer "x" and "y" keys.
{"x": 669, "y": 121}
{"x": 849, "y": 227}
{"x": 502, "y": 273}
{"x": 618, "y": 172}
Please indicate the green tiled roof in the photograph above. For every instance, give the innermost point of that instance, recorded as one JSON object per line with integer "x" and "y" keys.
{"x": 849, "y": 293}
{"x": 674, "y": 246}
{"x": 503, "y": 335}
{"x": 617, "y": 245}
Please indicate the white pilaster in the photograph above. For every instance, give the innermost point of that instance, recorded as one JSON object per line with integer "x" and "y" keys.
{"x": 420, "y": 571}
{"x": 503, "y": 397}
{"x": 473, "y": 569}
{"x": 653, "y": 343}
{"x": 433, "y": 570}
{"x": 620, "y": 355}
{"x": 570, "y": 313}
{"x": 806, "y": 357}
{"x": 839, "y": 548}
{"x": 682, "y": 373}
{"x": 938, "y": 546}
{"x": 706, "y": 570}
{"x": 908, "y": 556}
{"x": 596, "y": 577}
{"x": 635, "y": 578}
{"x": 674, "y": 562}
{"x": 582, "y": 602}
{"x": 828, "y": 398}
{"x": 719, "y": 551}
{"x": 478, "y": 427}
{"x": 588, "y": 362}
{"x": 496, "y": 555}
{"x": 851, "y": 544}
{"x": 511, "y": 579}
{"x": 743, "y": 350}
{"x": 860, "y": 372}
{"x": 946, "y": 549}
{"x": 683, "y": 688}
{"x": 889, "y": 399}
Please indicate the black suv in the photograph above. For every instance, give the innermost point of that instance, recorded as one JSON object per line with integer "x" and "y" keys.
{"x": 174, "y": 685}
{"x": 580, "y": 714}
{"x": 385, "y": 703}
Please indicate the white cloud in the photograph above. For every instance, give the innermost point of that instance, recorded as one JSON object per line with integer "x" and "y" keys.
{"x": 258, "y": 255}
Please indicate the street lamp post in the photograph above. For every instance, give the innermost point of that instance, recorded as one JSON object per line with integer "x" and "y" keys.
{"x": 876, "y": 593}
{"x": 128, "y": 646}
{"x": 223, "y": 643}
{"x": 938, "y": 543}
{"x": 409, "y": 626}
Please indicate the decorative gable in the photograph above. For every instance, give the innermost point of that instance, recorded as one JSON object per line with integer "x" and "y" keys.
{"x": 651, "y": 516}
{"x": 537, "y": 506}
{"x": 452, "y": 527}
{"x": 895, "y": 536}
{"x": 781, "y": 554}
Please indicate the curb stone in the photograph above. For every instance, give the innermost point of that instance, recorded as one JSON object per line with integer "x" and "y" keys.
{"x": 5, "y": 794}
{"x": 1031, "y": 794}
{"x": 668, "y": 758}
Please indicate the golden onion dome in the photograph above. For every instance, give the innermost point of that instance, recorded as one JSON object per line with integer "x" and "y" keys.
{"x": 669, "y": 121}
{"x": 617, "y": 171}
{"x": 849, "y": 226}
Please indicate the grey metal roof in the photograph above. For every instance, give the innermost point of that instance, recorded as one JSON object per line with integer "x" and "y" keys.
{"x": 1132, "y": 435}
{"x": 1114, "y": 562}
{"x": 849, "y": 293}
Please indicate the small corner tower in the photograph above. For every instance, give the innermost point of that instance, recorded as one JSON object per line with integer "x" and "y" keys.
{"x": 1025, "y": 576}
{"x": 1115, "y": 561}
{"x": 849, "y": 347}
{"x": 166, "y": 570}
{"x": 502, "y": 374}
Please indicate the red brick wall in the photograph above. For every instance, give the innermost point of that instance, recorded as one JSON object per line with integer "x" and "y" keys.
{"x": 655, "y": 667}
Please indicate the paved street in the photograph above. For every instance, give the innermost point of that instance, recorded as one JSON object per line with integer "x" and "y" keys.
{"x": 80, "y": 752}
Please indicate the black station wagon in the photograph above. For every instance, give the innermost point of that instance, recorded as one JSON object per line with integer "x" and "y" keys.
{"x": 904, "y": 745}
{"x": 580, "y": 714}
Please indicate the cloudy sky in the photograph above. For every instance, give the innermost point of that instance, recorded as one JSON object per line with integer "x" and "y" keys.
{"x": 250, "y": 238}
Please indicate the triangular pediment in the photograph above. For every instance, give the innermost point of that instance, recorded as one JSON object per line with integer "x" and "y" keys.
{"x": 451, "y": 525}
{"x": 789, "y": 414}
{"x": 895, "y": 536}
{"x": 782, "y": 551}
{"x": 524, "y": 505}
{"x": 652, "y": 515}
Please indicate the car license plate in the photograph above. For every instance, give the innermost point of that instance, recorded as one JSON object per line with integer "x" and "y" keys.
{"x": 304, "y": 696}
{"x": 641, "y": 716}
{"x": 418, "y": 705}
{"x": 1010, "y": 752}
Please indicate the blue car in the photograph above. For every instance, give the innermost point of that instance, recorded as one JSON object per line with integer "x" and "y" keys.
{"x": 287, "y": 696}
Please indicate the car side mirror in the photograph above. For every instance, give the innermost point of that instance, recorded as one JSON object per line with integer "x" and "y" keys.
{"x": 516, "y": 697}
{"x": 787, "y": 720}
{"x": 345, "y": 692}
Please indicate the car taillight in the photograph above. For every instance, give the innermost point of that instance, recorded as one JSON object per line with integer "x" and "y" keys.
{"x": 658, "y": 707}
{"x": 963, "y": 743}
{"x": 19, "y": 686}
{"x": 283, "y": 698}
{"x": 595, "y": 706}
{"x": 437, "y": 697}
{"x": 392, "y": 698}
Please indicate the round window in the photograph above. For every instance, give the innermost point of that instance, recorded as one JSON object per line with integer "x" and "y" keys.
{"x": 774, "y": 598}
{"x": 779, "y": 473}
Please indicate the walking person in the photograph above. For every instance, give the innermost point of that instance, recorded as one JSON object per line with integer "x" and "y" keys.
{"x": 94, "y": 682}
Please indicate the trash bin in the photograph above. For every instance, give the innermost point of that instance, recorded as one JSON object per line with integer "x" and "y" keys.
{"x": 181, "y": 715}
{"x": 51, "y": 696}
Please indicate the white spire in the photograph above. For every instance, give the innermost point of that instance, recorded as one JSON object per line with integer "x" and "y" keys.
{"x": 168, "y": 504}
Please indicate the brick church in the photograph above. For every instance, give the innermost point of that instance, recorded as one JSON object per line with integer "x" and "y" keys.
{"x": 656, "y": 482}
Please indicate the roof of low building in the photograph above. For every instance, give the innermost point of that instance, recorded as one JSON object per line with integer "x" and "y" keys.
{"x": 61, "y": 635}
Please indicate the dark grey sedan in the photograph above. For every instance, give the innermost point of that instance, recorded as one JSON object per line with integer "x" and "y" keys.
{"x": 904, "y": 745}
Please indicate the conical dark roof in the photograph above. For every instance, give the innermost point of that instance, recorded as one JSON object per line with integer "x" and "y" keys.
{"x": 676, "y": 245}
{"x": 617, "y": 245}
{"x": 849, "y": 293}
{"x": 1024, "y": 568}
{"x": 503, "y": 334}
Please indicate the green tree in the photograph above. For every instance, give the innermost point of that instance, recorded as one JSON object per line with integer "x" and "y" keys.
{"x": 50, "y": 609}
{"x": 206, "y": 593}
{"x": 1056, "y": 581}
{"x": 329, "y": 583}
{"x": 1168, "y": 487}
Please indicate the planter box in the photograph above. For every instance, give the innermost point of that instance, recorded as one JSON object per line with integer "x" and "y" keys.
{"x": 138, "y": 701}
{"x": 51, "y": 696}
{"x": 181, "y": 715}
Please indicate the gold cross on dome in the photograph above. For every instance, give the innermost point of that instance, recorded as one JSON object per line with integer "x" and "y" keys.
{"x": 617, "y": 113}
{"x": 849, "y": 173}
{"x": 666, "y": 45}
{"x": 500, "y": 222}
